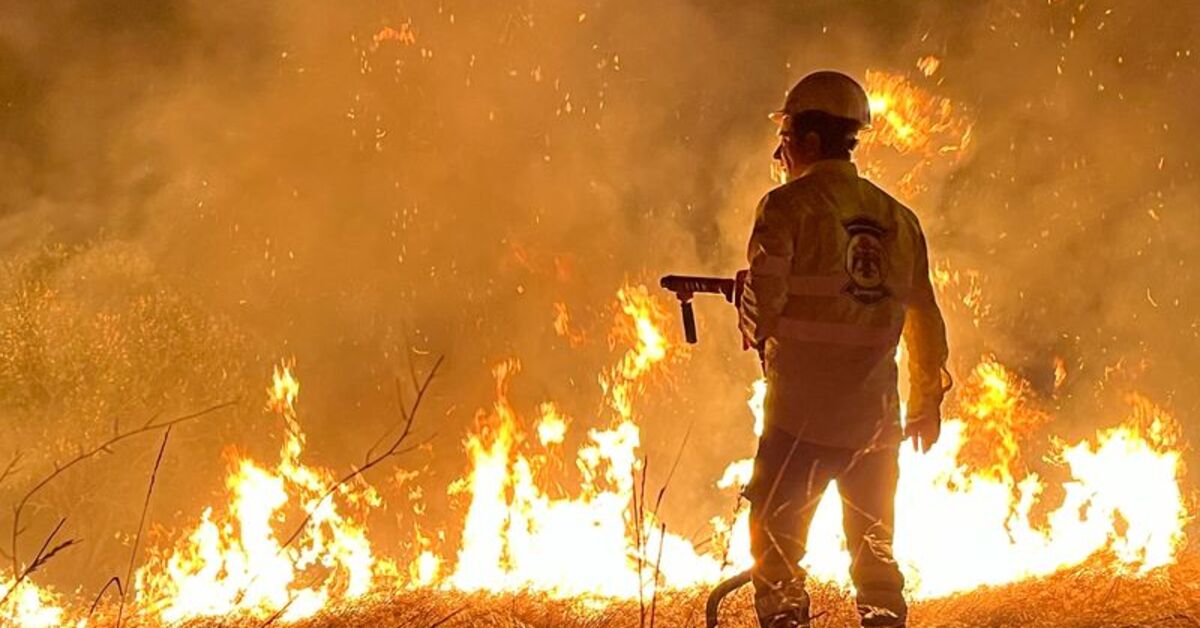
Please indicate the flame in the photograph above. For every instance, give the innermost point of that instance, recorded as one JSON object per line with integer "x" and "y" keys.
{"x": 552, "y": 428}
{"x": 911, "y": 131}
{"x": 404, "y": 35}
{"x": 961, "y": 291}
{"x": 929, "y": 65}
{"x": 285, "y": 388}
{"x": 517, "y": 536}
{"x": 235, "y": 560}
{"x": 738, "y": 473}
{"x": 1060, "y": 372}
{"x": 30, "y": 606}
{"x": 425, "y": 569}
{"x": 970, "y": 497}
{"x": 909, "y": 119}
{"x": 996, "y": 419}
{"x": 1116, "y": 495}
{"x": 1122, "y": 496}
{"x": 564, "y": 327}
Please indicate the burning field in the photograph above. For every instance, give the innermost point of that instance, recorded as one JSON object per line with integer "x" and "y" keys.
{"x": 346, "y": 316}
{"x": 290, "y": 542}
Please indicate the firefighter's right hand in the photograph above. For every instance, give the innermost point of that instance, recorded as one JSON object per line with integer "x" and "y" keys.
{"x": 924, "y": 431}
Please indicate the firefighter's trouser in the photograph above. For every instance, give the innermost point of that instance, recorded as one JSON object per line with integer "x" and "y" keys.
{"x": 790, "y": 476}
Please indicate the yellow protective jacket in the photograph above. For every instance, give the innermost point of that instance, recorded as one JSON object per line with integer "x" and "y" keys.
{"x": 838, "y": 273}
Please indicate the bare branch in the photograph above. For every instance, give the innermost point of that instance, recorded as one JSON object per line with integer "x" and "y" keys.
{"x": 662, "y": 538}
{"x": 638, "y": 522}
{"x": 50, "y": 554}
{"x": 413, "y": 380}
{"x": 37, "y": 559}
{"x": 674, "y": 465}
{"x": 392, "y": 450}
{"x": 279, "y": 613}
{"x": 113, "y": 581}
{"x": 449, "y": 617}
{"x": 44, "y": 554}
{"x": 404, "y": 421}
{"x": 137, "y": 539}
{"x": 83, "y": 455}
{"x": 12, "y": 467}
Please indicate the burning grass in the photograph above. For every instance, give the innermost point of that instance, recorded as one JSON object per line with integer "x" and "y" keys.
{"x": 598, "y": 556}
{"x": 1088, "y": 595}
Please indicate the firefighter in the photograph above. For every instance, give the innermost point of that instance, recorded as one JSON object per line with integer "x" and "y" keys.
{"x": 839, "y": 273}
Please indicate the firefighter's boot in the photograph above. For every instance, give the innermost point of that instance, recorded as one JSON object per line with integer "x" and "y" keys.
{"x": 879, "y": 617}
{"x": 782, "y": 606}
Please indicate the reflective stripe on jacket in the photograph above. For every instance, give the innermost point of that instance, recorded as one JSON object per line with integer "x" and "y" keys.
{"x": 839, "y": 272}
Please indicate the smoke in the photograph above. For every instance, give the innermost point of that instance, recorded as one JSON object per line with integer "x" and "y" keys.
{"x": 366, "y": 184}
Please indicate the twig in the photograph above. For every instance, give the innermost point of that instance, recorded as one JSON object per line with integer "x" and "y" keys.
{"x": 106, "y": 446}
{"x": 449, "y": 617}
{"x": 383, "y": 436}
{"x": 675, "y": 465}
{"x": 11, "y": 468}
{"x": 662, "y": 537}
{"x": 111, "y": 582}
{"x": 640, "y": 531}
{"x": 407, "y": 417}
{"x": 638, "y": 507}
{"x": 393, "y": 450}
{"x": 279, "y": 613}
{"x": 40, "y": 559}
{"x": 137, "y": 539}
{"x": 43, "y": 556}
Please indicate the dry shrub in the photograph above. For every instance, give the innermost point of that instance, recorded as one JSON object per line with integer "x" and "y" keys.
{"x": 92, "y": 342}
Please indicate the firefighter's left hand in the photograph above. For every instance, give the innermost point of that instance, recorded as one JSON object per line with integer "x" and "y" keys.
{"x": 924, "y": 432}
{"x": 759, "y": 349}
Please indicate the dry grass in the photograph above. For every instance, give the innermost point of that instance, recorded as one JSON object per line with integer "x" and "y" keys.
{"x": 1085, "y": 597}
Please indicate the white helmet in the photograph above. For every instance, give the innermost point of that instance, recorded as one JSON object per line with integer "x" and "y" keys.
{"x": 829, "y": 92}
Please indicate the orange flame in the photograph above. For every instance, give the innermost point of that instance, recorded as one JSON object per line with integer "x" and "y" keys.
{"x": 518, "y": 537}
{"x": 911, "y": 132}
{"x": 30, "y": 606}
{"x": 237, "y": 562}
{"x": 996, "y": 418}
{"x": 1122, "y": 496}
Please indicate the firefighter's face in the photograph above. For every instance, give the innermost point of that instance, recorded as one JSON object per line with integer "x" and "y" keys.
{"x": 794, "y": 153}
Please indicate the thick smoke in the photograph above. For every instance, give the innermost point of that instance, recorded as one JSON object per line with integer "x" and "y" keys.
{"x": 190, "y": 192}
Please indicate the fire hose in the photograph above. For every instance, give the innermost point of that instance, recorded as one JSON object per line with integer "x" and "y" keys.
{"x": 713, "y": 606}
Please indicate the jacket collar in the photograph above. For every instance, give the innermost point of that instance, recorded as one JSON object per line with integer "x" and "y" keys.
{"x": 843, "y": 167}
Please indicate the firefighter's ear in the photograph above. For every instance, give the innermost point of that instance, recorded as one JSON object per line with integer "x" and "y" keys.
{"x": 810, "y": 147}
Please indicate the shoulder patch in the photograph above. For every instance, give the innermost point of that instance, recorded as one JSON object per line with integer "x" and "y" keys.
{"x": 866, "y": 260}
